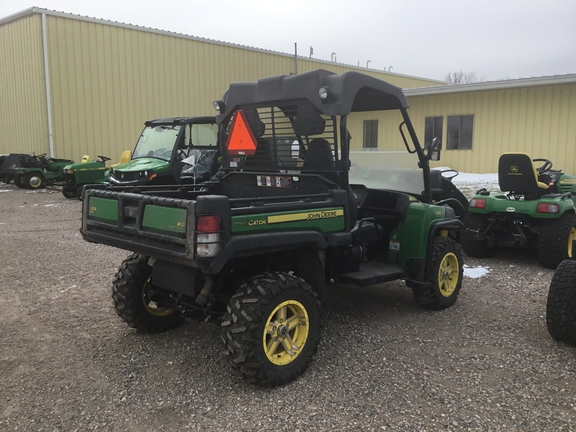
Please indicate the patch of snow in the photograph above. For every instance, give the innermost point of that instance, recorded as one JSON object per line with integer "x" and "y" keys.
{"x": 475, "y": 272}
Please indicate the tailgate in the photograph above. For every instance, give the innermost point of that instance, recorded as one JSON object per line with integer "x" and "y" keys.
{"x": 155, "y": 226}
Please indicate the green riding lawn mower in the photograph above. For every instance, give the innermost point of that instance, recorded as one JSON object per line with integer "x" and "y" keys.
{"x": 76, "y": 176}
{"x": 535, "y": 210}
{"x": 34, "y": 172}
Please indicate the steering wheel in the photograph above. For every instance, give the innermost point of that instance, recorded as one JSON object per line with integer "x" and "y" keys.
{"x": 104, "y": 158}
{"x": 453, "y": 173}
{"x": 545, "y": 167}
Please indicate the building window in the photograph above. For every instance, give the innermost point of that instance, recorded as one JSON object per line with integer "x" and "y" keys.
{"x": 370, "y": 134}
{"x": 460, "y": 132}
{"x": 432, "y": 129}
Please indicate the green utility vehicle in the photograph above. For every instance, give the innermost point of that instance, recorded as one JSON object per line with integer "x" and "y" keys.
{"x": 164, "y": 143}
{"x": 46, "y": 171}
{"x": 561, "y": 303}
{"x": 536, "y": 212}
{"x": 285, "y": 216}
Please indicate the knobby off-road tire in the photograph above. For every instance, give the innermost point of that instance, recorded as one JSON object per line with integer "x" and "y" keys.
{"x": 445, "y": 276}
{"x": 472, "y": 245}
{"x": 134, "y": 299}
{"x": 561, "y": 304}
{"x": 555, "y": 240}
{"x": 272, "y": 329}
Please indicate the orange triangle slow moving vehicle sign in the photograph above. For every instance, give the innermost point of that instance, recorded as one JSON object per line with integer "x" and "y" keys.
{"x": 241, "y": 139}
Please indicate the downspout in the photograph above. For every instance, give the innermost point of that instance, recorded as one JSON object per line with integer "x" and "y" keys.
{"x": 47, "y": 81}
{"x": 295, "y": 58}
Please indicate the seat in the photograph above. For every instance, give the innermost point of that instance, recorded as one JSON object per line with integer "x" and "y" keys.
{"x": 320, "y": 160}
{"x": 125, "y": 157}
{"x": 517, "y": 175}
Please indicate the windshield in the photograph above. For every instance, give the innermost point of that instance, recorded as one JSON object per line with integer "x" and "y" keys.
{"x": 388, "y": 164}
{"x": 157, "y": 142}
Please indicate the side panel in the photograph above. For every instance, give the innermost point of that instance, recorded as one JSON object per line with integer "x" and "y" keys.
{"x": 324, "y": 220}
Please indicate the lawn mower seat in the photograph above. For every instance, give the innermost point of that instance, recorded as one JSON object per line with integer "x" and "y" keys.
{"x": 517, "y": 174}
{"x": 125, "y": 157}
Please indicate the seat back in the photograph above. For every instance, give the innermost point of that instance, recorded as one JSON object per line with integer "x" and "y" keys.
{"x": 125, "y": 157}
{"x": 320, "y": 160}
{"x": 517, "y": 174}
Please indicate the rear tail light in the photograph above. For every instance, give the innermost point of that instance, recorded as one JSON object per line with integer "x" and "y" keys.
{"x": 544, "y": 207}
{"x": 208, "y": 235}
{"x": 477, "y": 203}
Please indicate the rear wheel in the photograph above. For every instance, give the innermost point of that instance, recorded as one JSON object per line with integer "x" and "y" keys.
{"x": 561, "y": 304}
{"x": 445, "y": 276}
{"x": 272, "y": 328}
{"x": 470, "y": 239}
{"x": 555, "y": 240}
{"x": 18, "y": 181}
{"x": 33, "y": 180}
{"x": 137, "y": 302}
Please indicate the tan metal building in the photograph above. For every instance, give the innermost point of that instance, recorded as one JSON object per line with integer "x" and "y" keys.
{"x": 72, "y": 85}
{"x": 478, "y": 122}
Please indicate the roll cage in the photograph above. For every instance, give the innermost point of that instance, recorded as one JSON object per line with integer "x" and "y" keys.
{"x": 306, "y": 110}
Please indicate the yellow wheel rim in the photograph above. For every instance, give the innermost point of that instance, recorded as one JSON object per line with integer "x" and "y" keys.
{"x": 151, "y": 305}
{"x": 286, "y": 332}
{"x": 448, "y": 274}
{"x": 570, "y": 238}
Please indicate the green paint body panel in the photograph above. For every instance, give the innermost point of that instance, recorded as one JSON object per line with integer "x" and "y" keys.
{"x": 88, "y": 172}
{"x": 164, "y": 220}
{"x": 324, "y": 220}
{"x": 413, "y": 232}
{"x": 105, "y": 210}
{"x": 499, "y": 203}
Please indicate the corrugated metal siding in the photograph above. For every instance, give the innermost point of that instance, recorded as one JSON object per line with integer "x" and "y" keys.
{"x": 23, "y": 120}
{"x": 540, "y": 121}
{"x": 107, "y": 80}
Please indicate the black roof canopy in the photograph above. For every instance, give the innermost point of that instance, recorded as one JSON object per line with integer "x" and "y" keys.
{"x": 349, "y": 92}
{"x": 181, "y": 121}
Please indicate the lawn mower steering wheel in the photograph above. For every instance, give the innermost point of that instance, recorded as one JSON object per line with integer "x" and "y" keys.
{"x": 545, "y": 167}
{"x": 104, "y": 158}
{"x": 449, "y": 174}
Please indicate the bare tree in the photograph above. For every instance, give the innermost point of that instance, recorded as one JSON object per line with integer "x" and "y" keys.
{"x": 462, "y": 77}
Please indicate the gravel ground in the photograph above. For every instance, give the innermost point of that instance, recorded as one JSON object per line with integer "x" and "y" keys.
{"x": 67, "y": 362}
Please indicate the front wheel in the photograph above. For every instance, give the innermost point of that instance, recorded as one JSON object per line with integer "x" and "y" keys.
{"x": 69, "y": 191}
{"x": 561, "y": 304}
{"x": 33, "y": 180}
{"x": 445, "y": 276}
{"x": 272, "y": 328}
{"x": 555, "y": 240}
{"x": 137, "y": 302}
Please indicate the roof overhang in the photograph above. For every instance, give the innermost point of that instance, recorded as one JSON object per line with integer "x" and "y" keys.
{"x": 492, "y": 85}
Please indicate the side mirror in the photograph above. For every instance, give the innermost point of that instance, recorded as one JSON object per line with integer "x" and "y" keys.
{"x": 433, "y": 150}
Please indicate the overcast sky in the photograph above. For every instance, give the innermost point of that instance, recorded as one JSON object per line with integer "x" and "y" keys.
{"x": 495, "y": 39}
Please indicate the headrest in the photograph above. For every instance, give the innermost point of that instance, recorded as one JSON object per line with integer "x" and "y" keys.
{"x": 308, "y": 121}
